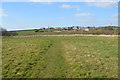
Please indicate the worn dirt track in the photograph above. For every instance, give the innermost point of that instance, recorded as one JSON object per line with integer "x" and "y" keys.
{"x": 69, "y": 35}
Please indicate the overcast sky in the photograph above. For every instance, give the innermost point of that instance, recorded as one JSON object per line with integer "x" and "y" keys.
{"x": 34, "y": 14}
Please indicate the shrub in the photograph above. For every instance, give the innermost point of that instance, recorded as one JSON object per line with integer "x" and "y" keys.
{"x": 8, "y": 33}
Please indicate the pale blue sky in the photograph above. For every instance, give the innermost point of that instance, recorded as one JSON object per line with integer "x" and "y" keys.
{"x": 27, "y": 15}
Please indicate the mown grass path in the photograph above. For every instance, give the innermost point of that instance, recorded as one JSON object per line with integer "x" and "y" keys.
{"x": 60, "y": 57}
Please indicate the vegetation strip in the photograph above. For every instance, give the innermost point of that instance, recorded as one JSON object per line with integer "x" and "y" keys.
{"x": 69, "y": 35}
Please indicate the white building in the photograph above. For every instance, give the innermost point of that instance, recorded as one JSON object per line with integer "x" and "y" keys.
{"x": 86, "y": 29}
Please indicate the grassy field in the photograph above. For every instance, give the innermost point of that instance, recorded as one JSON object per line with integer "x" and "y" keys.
{"x": 60, "y": 57}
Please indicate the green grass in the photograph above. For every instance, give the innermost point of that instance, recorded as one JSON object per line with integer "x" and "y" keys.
{"x": 25, "y": 32}
{"x": 32, "y": 32}
{"x": 60, "y": 57}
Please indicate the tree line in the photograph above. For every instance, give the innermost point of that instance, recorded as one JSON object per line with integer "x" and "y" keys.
{"x": 108, "y": 30}
{"x": 4, "y": 32}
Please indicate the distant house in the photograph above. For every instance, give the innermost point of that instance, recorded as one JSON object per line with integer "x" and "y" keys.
{"x": 91, "y": 28}
{"x": 86, "y": 29}
{"x": 51, "y": 27}
{"x": 74, "y": 28}
{"x": 58, "y": 28}
{"x": 69, "y": 28}
{"x": 78, "y": 28}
